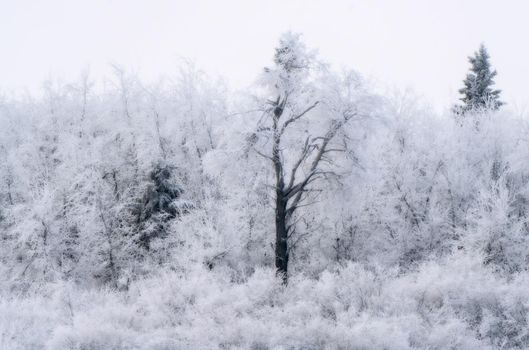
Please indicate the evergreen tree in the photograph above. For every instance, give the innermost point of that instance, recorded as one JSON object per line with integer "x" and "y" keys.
{"x": 478, "y": 92}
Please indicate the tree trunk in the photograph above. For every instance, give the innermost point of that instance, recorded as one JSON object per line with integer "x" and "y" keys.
{"x": 281, "y": 249}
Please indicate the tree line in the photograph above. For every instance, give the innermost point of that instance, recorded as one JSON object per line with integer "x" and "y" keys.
{"x": 309, "y": 168}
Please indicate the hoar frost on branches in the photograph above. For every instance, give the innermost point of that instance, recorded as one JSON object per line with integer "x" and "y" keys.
{"x": 299, "y": 98}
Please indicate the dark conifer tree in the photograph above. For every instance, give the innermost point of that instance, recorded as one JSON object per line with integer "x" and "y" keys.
{"x": 477, "y": 91}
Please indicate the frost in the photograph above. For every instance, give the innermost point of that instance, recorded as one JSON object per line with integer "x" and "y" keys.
{"x": 143, "y": 216}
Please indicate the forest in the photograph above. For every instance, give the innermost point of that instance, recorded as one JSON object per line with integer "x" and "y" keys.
{"x": 309, "y": 211}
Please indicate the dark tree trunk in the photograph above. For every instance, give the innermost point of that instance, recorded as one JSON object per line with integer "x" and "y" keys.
{"x": 292, "y": 192}
{"x": 281, "y": 249}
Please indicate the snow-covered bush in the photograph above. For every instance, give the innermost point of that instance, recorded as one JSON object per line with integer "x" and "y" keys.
{"x": 452, "y": 303}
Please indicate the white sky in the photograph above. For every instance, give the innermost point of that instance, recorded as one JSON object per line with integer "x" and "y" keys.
{"x": 418, "y": 44}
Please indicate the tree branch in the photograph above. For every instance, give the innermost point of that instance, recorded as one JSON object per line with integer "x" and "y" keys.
{"x": 304, "y": 154}
{"x": 297, "y": 190}
{"x": 296, "y": 117}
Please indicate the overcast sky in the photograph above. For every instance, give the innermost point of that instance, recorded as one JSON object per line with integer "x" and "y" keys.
{"x": 416, "y": 44}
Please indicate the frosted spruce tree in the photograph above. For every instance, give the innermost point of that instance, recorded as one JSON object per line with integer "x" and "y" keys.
{"x": 478, "y": 92}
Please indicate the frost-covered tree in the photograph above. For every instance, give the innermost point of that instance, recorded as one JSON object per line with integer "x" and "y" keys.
{"x": 478, "y": 92}
{"x": 301, "y": 121}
